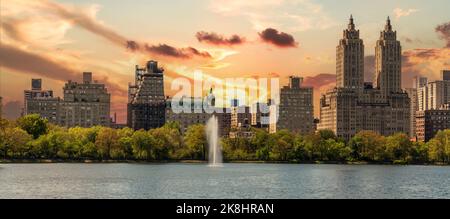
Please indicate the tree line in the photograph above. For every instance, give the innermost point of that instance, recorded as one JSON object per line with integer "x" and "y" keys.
{"x": 31, "y": 137}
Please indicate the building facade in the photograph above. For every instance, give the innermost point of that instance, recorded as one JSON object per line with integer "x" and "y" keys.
{"x": 84, "y": 104}
{"x": 353, "y": 105}
{"x": 414, "y": 107}
{"x": 260, "y": 115}
{"x": 296, "y": 111}
{"x": 350, "y": 59}
{"x": 193, "y": 114}
{"x": 434, "y": 94}
{"x": 146, "y": 107}
{"x": 388, "y": 62}
{"x": 429, "y": 122}
{"x": 35, "y": 92}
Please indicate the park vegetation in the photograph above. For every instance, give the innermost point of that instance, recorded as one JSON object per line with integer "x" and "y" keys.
{"x": 33, "y": 138}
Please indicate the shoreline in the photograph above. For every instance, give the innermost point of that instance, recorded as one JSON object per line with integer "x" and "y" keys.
{"x": 57, "y": 161}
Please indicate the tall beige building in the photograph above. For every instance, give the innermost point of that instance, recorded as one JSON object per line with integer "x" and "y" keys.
{"x": 353, "y": 105}
{"x": 84, "y": 104}
{"x": 295, "y": 111}
{"x": 434, "y": 95}
{"x": 414, "y": 107}
{"x": 388, "y": 62}
{"x": 350, "y": 59}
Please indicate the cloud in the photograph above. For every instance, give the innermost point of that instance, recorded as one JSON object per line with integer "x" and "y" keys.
{"x": 26, "y": 62}
{"x": 68, "y": 15}
{"x": 398, "y": 12}
{"x": 277, "y": 38}
{"x": 444, "y": 31}
{"x": 219, "y": 40}
{"x": 320, "y": 80}
{"x": 184, "y": 53}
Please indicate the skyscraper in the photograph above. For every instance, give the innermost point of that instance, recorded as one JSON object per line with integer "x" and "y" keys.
{"x": 352, "y": 107}
{"x": 350, "y": 59}
{"x": 146, "y": 99}
{"x": 388, "y": 61}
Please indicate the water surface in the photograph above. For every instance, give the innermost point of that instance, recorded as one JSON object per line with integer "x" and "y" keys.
{"x": 230, "y": 181}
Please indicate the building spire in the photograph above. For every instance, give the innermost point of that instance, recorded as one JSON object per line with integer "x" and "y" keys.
{"x": 351, "y": 25}
{"x": 388, "y": 26}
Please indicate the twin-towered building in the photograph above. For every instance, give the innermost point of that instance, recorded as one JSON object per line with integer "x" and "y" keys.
{"x": 354, "y": 105}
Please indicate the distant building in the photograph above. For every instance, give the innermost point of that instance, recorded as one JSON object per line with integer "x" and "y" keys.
{"x": 429, "y": 122}
{"x": 435, "y": 94}
{"x": 354, "y": 106}
{"x": 146, "y": 99}
{"x": 295, "y": 111}
{"x": 196, "y": 115}
{"x": 350, "y": 59}
{"x": 240, "y": 116}
{"x": 412, "y": 93}
{"x": 84, "y": 104}
{"x": 42, "y": 102}
{"x": 35, "y": 92}
{"x": 260, "y": 115}
{"x": 445, "y": 75}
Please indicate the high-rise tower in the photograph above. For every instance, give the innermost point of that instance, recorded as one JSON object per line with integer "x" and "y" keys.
{"x": 146, "y": 100}
{"x": 388, "y": 61}
{"x": 350, "y": 59}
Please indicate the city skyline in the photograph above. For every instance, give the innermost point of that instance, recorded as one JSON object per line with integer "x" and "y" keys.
{"x": 89, "y": 36}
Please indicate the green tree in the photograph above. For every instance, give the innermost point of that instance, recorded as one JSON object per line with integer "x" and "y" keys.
{"x": 439, "y": 147}
{"x": 142, "y": 144}
{"x": 399, "y": 147}
{"x": 106, "y": 141}
{"x": 196, "y": 143}
{"x": 15, "y": 142}
{"x": 283, "y": 147}
{"x": 368, "y": 145}
{"x": 33, "y": 124}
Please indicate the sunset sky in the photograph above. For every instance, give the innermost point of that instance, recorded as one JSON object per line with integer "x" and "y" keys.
{"x": 58, "y": 40}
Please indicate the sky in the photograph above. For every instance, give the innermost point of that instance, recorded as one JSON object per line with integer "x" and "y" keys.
{"x": 57, "y": 40}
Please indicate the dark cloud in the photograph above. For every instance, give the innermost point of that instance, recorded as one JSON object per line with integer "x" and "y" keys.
{"x": 185, "y": 53}
{"x": 133, "y": 45}
{"x": 219, "y": 40}
{"x": 12, "y": 110}
{"x": 277, "y": 38}
{"x": 444, "y": 31}
{"x": 320, "y": 80}
{"x": 167, "y": 50}
{"x": 26, "y": 62}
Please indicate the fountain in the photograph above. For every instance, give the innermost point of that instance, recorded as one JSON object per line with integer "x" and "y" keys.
{"x": 214, "y": 150}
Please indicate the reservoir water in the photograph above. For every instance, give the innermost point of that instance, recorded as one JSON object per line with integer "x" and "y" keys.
{"x": 242, "y": 181}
